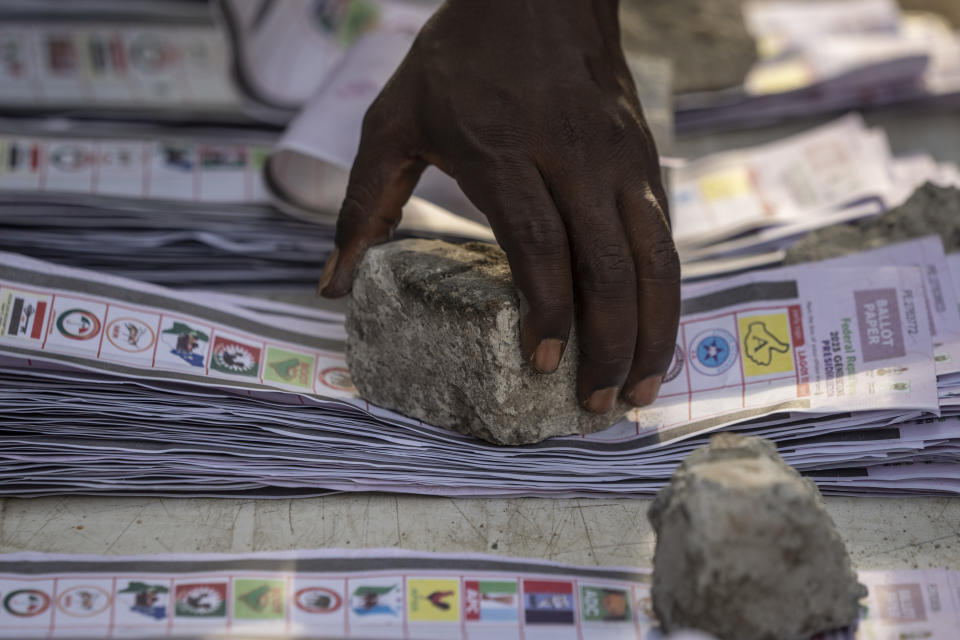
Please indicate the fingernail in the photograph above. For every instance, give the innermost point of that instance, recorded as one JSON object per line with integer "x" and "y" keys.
{"x": 645, "y": 391}
{"x": 328, "y": 271}
{"x": 547, "y": 356}
{"x": 601, "y": 400}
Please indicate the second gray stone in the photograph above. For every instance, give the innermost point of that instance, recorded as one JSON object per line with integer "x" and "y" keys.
{"x": 433, "y": 334}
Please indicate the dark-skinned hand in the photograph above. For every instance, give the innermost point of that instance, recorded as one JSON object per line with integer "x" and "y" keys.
{"x": 530, "y": 106}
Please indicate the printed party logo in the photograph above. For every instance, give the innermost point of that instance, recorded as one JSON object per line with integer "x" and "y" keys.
{"x": 148, "y": 599}
{"x": 433, "y": 599}
{"x": 317, "y": 600}
{"x": 338, "y": 379}
{"x": 78, "y": 324}
{"x": 490, "y": 600}
{"x": 766, "y": 344}
{"x": 548, "y": 602}
{"x": 371, "y": 601}
{"x": 201, "y": 600}
{"x": 84, "y": 601}
{"x": 604, "y": 604}
{"x": 130, "y": 334}
{"x": 259, "y": 599}
{"x": 235, "y": 358}
{"x": 186, "y": 342}
{"x": 26, "y": 603}
{"x": 713, "y": 352}
{"x": 22, "y": 314}
{"x": 289, "y": 367}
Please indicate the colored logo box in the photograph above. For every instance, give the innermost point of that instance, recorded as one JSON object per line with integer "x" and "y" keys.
{"x": 713, "y": 352}
{"x": 433, "y": 599}
{"x": 289, "y": 367}
{"x": 491, "y": 601}
{"x": 233, "y": 357}
{"x": 766, "y": 344}
{"x": 317, "y": 600}
{"x": 604, "y": 604}
{"x": 22, "y": 314}
{"x": 26, "y": 603}
{"x": 548, "y": 602}
{"x": 256, "y": 599}
{"x": 183, "y": 343}
{"x": 84, "y": 601}
{"x": 142, "y": 601}
{"x": 376, "y": 600}
{"x": 201, "y": 600}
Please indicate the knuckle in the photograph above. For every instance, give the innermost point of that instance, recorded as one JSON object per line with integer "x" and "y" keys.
{"x": 609, "y": 352}
{"x": 532, "y": 236}
{"x": 606, "y": 270}
{"x": 660, "y": 260}
{"x": 377, "y": 119}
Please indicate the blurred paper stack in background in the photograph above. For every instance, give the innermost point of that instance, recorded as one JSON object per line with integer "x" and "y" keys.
{"x": 831, "y": 56}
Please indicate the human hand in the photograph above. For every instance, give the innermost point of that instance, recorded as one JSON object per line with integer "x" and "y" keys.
{"x": 530, "y": 106}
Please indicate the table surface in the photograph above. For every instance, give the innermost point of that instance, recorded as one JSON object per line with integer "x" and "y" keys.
{"x": 881, "y": 533}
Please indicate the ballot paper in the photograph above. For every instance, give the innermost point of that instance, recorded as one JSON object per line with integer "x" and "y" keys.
{"x": 749, "y": 203}
{"x": 926, "y": 253}
{"x": 78, "y": 170}
{"x": 175, "y": 66}
{"x": 180, "y": 392}
{"x": 388, "y": 593}
{"x": 811, "y": 175}
{"x": 800, "y": 339}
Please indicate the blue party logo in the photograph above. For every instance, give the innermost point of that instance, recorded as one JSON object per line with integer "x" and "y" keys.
{"x": 713, "y": 352}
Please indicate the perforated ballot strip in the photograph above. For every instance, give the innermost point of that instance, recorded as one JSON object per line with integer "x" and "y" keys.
{"x": 387, "y": 594}
{"x": 146, "y": 66}
{"x": 120, "y": 327}
{"x": 98, "y": 326}
{"x": 370, "y": 594}
{"x": 38, "y": 168}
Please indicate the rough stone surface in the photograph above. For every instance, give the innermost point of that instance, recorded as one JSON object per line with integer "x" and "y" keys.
{"x": 707, "y": 40}
{"x": 930, "y": 210}
{"x": 745, "y": 549}
{"x": 433, "y": 333}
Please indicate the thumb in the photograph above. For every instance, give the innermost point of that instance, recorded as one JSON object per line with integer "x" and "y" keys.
{"x": 381, "y": 181}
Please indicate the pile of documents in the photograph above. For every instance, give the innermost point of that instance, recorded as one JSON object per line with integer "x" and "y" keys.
{"x": 113, "y": 386}
{"x": 168, "y": 166}
{"x": 389, "y": 594}
{"x": 829, "y": 56}
{"x": 755, "y": 201}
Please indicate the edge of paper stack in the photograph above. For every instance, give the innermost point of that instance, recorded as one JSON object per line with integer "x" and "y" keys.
{"x": 850, "y": 366}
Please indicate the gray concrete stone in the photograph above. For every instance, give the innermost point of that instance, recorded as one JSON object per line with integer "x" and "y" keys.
{"x": 930, "y": 210}
{"x": 707, "y": 40}
{"x": 433, "y": 333}
{"x": 746, "y": 550}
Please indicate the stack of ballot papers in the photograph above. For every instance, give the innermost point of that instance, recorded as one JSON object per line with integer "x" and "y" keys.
{"x": 829, "y": 56}
{"x": 389, "y": 593}
{"x": 205, "y": 209}
{"x": 114, "y": 386}
{"x": 756, "y": 200}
